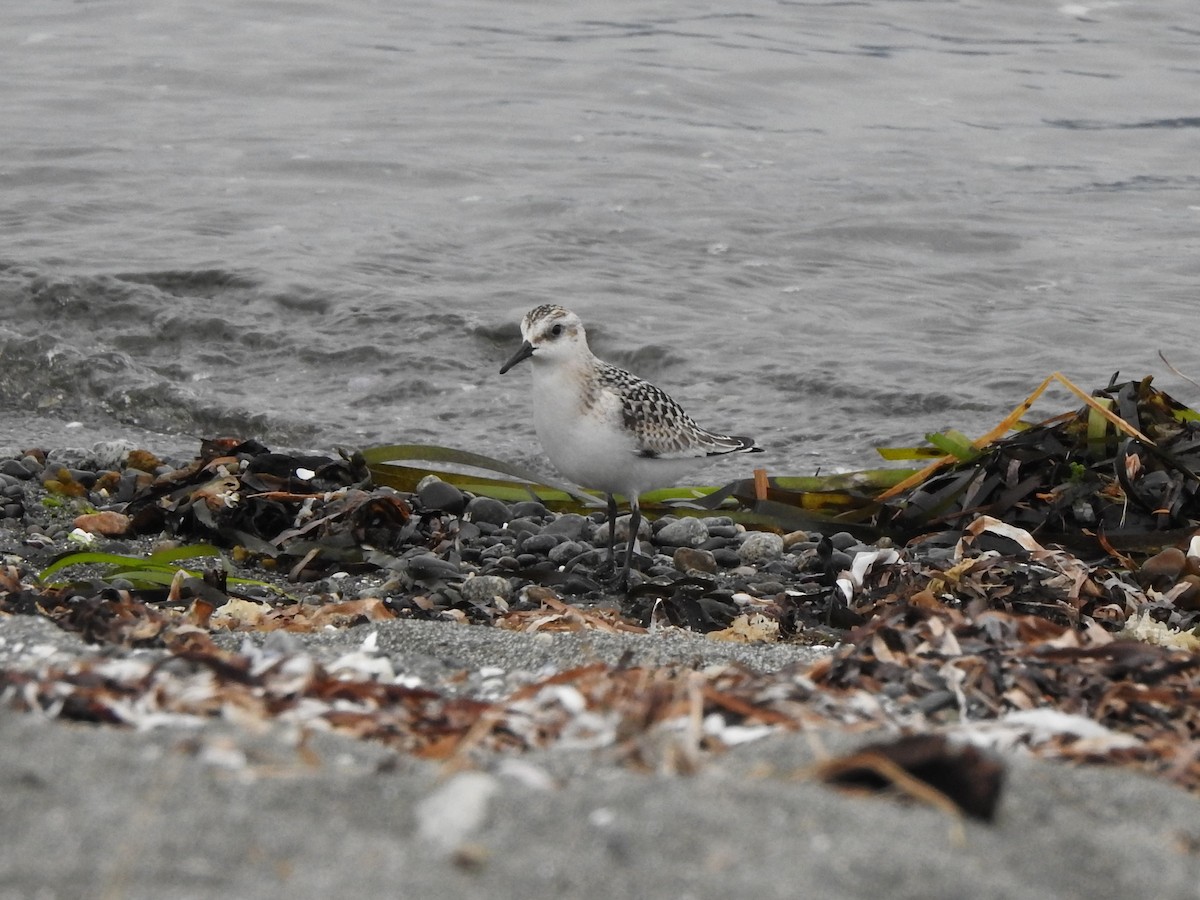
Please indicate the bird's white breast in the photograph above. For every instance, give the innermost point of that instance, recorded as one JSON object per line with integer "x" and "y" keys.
{"x": 582, "y": 430}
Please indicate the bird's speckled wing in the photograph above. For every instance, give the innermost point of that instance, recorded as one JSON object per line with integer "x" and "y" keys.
{"x": 660, "y": 426}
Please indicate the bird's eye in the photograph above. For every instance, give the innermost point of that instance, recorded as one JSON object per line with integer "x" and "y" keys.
{"x": 556, "y": 331}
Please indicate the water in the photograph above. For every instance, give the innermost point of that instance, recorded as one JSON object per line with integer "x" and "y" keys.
{"x": 831, "y": 225}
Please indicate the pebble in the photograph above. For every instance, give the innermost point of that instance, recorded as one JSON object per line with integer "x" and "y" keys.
{"x": 840, "y": 560}
{"x": 71, "y": 458}
{"x": 111, "y": 454}
{"x": 723, "y": 531}
{"x": 86, "y": 477}
{"x": 569, "y": 525}
{"x": 485, "y": 589}
{"x": 487, "y": 509}
{"x": 759, "y": 547}
{"x": 842, "y": 540}
{"x": 524, "y": 526}
{"x": 691, "y": 561}
{"x": 441, "y": 495}
{"x": 725, "y": 557}
{"x": 529, "y": 509}
{"x": 540, "y": 543}
{"x": 16, "y": 468}
{"x": 795, "y": 537}
{"x": 1162, "y": 570}
{"x": 688, "y": 531}
{"x": 644, "y": 529}
{"x": 107, "y": 523}
{"x": 495, "y": 551}
{"x": 563, "y": 553}
{"x": 767, "y": 588}
{"x": 428, "y": 566}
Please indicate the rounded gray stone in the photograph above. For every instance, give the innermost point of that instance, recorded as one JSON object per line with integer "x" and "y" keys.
{"x": 688, "y": 531}
{"x": 71, "y": 458}
{"x": 569, "y": 525}
{"x": 14, "y": 468}
{"x": 540, "y": 543}
{"x": 442, "y": 496}
{"x": 487, "y": 509}
{"x": 428, "y": 566}
{"x": 691, "y": 561}
{"x": 111, "y": 454}
{"x": 644, "y": 530}
{"x": 842, "y": 540}
{"x": 485, "y": 589}
{"x": 759, "y": 547}
{"x": 528, "y": 508}
{"x": 565, "y": 552}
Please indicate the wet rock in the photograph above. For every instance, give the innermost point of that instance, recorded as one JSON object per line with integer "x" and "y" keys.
{"x": 842, "y": 540}
{"x": 563, "y": 553}
{"x": 71, "y": 458}
{"x": 86, "y": 477}
{"x": 1163, "y": 569}
{"x": 131, "y": 481}
{"x": 468, "y": 532}
{"x": 644, "y": 530}
{"x": 759, "y": 547}
{"x": 540, "y": 543}
{"x": 486, "y": 509}
{"x": 1190, "y": 598}
{"x": 688, "y": 531}
{"x": 529, "y": 509}
{"x": 795, "y": 537}
{"x": 112, "y": 454}
{"x": 524, "y": 526}
{"x": 426, "y": 566}
{"x": 726, "y": 558}
{"x": 691, "y": 561}
{"x": 569, "y": 525}
{"x": 485, "y": 589}
{"x": 441, "y": 495}
{"x": 723, "y": 531}
{"x": 107, "y": 523}
{"x": 767, "y": 588}
{"x": 16, "y": 468}
{"x": 838, "y": 560}
{"x": 495, "y": 551}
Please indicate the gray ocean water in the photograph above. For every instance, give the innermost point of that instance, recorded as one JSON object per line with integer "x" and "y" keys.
{"x": 833, "y": 225}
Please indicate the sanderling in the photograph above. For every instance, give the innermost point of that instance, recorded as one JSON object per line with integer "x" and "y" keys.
{"x": 604, "y": 428}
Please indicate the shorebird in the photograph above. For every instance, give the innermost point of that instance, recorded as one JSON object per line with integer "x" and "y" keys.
{"x": 605, "y": 428}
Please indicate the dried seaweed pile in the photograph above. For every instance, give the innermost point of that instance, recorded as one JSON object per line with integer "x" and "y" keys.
{"x": 1081, "y": 480}
{"x": 306, "y": 512}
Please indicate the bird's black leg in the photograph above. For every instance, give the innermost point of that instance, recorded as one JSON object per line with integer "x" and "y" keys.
{"x": 635, "y": 520}
{"x": 608, "y": 568}
{"x": 612, "y": 531}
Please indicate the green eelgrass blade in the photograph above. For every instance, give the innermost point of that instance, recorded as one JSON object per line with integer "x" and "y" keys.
{"x": 378, "y": 459}
{"x": 162, "y": 559}
{"x": 893, "y": 454}
{"x": 953, "y": 443}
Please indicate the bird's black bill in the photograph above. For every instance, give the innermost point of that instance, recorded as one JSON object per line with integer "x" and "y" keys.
{"x": 525, "y": 352}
